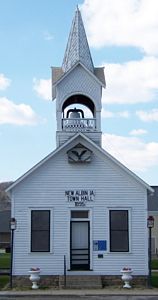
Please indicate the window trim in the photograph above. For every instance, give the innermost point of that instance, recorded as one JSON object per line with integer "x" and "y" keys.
{"x": 128, "y": 209}
{"x": 51, "y": 231}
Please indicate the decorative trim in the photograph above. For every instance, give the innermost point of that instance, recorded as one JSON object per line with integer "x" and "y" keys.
{"x": 79, "y": 154}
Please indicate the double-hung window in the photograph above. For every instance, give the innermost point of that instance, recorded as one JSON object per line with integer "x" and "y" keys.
{"x": 40, "y": 230}
{"x": 119, "y": 230}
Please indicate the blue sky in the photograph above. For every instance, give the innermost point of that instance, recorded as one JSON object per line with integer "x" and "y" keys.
{"x": 122, "y": 36}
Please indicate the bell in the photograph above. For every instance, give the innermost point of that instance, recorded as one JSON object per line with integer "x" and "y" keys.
{"x": 74, "y": 114}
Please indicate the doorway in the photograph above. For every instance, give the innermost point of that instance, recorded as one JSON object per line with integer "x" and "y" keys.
{"x": 80, "y": 245}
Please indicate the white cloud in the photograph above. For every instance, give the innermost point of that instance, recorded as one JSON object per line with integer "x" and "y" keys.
{"x": 148, "y": 116}
{"x": 138, "y": 132}
{"x": 18, "y": 114}
{"x": 110, "y": 114}
{"x": 4, "y": 82}
{"x": 43, "y": 88}
{"x": 122, "y": 23}
{"x": 131, "y": 151}
{"x": 131, "y": 82}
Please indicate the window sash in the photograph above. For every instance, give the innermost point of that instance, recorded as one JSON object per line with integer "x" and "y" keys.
{"x": 40, "y": 231}
{"x": 119, "y": 231}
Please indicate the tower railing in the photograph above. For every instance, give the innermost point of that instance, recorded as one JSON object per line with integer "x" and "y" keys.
{"x": 79, "y": 124}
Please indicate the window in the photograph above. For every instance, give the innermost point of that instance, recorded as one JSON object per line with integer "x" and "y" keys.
{"x": 75, "y": 214}
{"x": 40, "y": 230}
{"x": 119, "y": 235}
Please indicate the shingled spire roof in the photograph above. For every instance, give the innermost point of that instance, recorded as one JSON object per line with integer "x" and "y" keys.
{"x": 77, "y": 49}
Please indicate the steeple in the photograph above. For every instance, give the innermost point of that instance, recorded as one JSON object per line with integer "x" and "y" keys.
{"x": 77, "y": 49}
{"x": 77, "y": 88}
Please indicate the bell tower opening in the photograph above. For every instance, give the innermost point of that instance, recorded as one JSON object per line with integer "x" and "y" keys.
{"x": 78, "y": 114}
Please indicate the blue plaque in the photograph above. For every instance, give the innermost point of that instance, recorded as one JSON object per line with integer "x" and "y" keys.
{"x": 102, "y": 245}
{"x": 99, "y": 245}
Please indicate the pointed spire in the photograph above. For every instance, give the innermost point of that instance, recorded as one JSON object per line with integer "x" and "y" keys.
{"x": 77, "y": 49}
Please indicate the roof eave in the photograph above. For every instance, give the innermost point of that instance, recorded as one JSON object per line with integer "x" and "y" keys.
{"x": 21, "y": 178}
{"x": 87, "y": 70}
{"x": 137, "y": 178}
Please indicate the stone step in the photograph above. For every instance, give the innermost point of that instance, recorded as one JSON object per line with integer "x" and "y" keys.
{"x": 81, "y": 281}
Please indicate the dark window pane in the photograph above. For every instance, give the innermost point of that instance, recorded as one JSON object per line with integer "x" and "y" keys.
{"x": 40, "y": 241}
{"x": 119, "y": 239}
{"x": 40, "y": 219}
{"x": 40, "y": 230}
{"x": 79, "y": 214}
{"x": 119, "y": 219}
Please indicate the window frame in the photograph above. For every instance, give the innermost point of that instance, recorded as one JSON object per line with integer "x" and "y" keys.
{"x": 128, "y": 210}
{"x": 50, "y": 209}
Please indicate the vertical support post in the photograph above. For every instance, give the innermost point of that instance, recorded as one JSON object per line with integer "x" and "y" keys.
{"x": 149, "y": 261}
{"x": 64, "y": 271}
{"x": 150, "y": 225}
{"x": 13, "y": 224}
{"x": 11, "y": 259}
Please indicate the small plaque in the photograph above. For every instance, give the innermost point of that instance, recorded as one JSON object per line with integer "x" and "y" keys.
{"x": 99, "y": 245}
{"x": 100, "y": 255}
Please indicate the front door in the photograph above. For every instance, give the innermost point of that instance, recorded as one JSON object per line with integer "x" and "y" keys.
{"x": 80, "y": 245}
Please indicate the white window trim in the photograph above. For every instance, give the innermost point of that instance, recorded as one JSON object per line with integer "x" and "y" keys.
{"x": 51, "y": 229}
{"x": 129, "y": 209}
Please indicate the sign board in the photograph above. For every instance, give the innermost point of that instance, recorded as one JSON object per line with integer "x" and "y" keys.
{"x": 80, "y": 197}
{"x": 99, "y": 245}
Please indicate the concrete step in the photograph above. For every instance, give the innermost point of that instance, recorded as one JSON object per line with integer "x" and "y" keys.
{"x": 81, "y": 282}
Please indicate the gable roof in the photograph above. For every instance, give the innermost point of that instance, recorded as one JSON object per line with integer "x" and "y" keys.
{"x": 98, "y": 76}
{"x": 58, "y": 75}
{"x": 75, "y": 137}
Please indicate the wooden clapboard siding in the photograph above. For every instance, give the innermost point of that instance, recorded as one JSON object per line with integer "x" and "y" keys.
{"x": 85, "y": 85}
{"x": 114, "y": 188}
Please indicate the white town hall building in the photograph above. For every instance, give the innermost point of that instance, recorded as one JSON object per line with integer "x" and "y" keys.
{"x": 79, "y": 202}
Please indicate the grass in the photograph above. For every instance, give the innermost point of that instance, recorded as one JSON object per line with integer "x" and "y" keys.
{"x": 4, "y": 279}
{"x": 154, "y": 264}
{"x": 4, "y": 260}
{"x": 154, "y": 279}
{"x": 4, "y": 263}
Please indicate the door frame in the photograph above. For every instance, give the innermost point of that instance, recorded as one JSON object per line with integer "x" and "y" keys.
{"x": 89, "y": 248}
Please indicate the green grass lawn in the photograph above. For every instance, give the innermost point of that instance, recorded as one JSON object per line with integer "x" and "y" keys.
{"x": 154, "y": 279}
{"x": 154, "y": 264}
{"x": 4, "y": 260}
{"x": 4, "y": 263}
{"x": 4, "y": 279}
